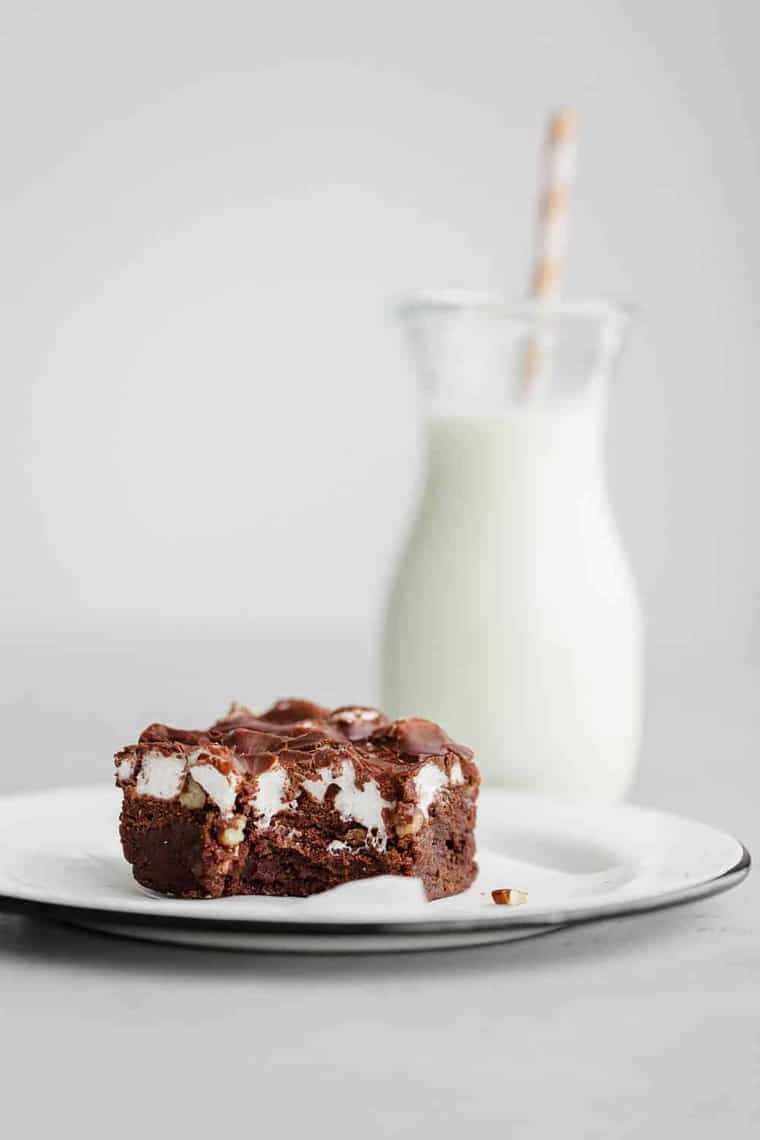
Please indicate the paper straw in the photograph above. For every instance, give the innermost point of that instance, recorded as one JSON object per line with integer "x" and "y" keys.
{"x": 551, "y": 231}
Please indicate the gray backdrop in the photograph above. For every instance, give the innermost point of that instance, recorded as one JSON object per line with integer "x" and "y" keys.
{"x": 207, "y": 210}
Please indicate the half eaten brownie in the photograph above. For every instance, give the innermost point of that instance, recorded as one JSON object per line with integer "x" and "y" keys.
{"x": 297, "y": 800}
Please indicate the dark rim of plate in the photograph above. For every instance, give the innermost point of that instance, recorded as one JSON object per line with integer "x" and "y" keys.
{"x": 78, "y": 915}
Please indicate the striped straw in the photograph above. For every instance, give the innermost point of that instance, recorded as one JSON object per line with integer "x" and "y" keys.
{"x": 551, "y": 231}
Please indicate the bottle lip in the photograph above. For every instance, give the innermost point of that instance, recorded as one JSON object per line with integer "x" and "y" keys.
{"x": 436, "y": 302}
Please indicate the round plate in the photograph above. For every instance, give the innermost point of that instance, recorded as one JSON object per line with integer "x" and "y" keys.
{"x": 60, "y": 858}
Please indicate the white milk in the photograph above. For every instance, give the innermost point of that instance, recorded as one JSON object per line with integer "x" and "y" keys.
{"x": 513, "y": 620}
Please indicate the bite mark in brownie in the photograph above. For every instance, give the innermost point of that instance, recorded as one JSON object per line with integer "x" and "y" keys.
{"x": 297, "y": 800}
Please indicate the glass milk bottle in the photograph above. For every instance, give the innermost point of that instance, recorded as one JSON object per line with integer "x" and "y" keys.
{"x": 513, "y": 619}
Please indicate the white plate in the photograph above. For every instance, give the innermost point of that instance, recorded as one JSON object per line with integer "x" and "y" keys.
{"x": 60, "y": 858}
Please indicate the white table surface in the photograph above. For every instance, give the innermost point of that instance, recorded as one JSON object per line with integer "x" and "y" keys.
{"x": 648, "y": 1026}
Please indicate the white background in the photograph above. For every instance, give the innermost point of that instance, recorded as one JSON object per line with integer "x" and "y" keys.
{"x": 209, "y": 423}
{"x": 209, "y": 448}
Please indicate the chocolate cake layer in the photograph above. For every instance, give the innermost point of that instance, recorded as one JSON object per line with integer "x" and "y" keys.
{"x": 297, "y": 800}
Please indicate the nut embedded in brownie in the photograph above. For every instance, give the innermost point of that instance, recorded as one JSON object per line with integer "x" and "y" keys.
{"x": 297, "y": 800}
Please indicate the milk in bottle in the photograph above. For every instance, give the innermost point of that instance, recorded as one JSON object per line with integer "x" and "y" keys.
{"x": 513, "y": 619}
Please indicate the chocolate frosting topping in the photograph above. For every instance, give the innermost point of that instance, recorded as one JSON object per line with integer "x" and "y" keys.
{"x": 301, "y": 725}
{"x": 288, "y": 712}
{"x": 163, "y": 734}
{"x": 414, "y": 737}
{"x": 356, "y": 722}
{"x": 250, "y": 742}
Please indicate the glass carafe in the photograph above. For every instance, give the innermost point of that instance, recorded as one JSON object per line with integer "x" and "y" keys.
{"x": 513, "y": 619}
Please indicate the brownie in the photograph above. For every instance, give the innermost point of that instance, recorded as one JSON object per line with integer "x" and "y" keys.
{"x": 297, "y": 800}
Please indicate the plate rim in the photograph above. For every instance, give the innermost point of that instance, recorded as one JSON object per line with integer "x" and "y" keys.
{"x": 297, "y": 929}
